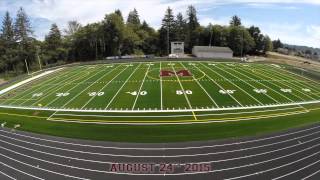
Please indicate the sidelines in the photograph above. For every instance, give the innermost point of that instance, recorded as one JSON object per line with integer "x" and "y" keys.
{"x": 156, "y": 110}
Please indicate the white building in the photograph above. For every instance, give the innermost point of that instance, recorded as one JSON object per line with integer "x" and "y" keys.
{"x": 212, "y": 52}
{"x": 177, "y": 48}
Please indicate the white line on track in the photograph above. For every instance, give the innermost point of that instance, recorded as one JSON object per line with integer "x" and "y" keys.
{"x": 89, "y": 87}
{"x": 114, "y": 96}
{"x": 268, "y": 170}
{"x": 178, "y": 174}
{"x": 136, "y": 99}
{"x": 20, "y": 171}
{"x": 213, "y": 101}
{"x": 311, "y": 175}
{"x": 292, "y": 172}
{"x": 103, "y": 87}
{"x": 167, "y": 156}
{"x": 10, "y": 177}
{"x": 61, "y": 174}
{"x": 219, "y": 85}
{"x": 166, "y": 148}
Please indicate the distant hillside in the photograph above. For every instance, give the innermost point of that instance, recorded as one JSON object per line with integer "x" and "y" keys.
{"x": 303, "y": 51}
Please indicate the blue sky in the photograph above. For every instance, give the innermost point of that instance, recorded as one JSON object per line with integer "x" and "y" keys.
{"x": 290, "y": 20}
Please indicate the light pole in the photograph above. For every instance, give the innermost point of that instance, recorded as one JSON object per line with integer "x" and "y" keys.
{"x": 25, "y": 61}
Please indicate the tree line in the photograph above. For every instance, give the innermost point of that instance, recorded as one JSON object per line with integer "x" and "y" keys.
{"x": 114, "y": 36}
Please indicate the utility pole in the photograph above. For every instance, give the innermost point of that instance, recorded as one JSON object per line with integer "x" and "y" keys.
{"x": 25, "y": 60}
{"x": 211, "y": 29}
{"x": 40, "y": 66}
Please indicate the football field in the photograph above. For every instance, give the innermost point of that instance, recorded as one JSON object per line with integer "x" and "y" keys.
{"x": 166, "y": 92}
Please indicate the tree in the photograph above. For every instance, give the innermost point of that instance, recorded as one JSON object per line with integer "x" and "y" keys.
{"x": 166, "y": 32}
{"x": 277, "y": 44}
{"x": 133, "y": 18}
{"x": 180, "y": 25}
{"x": 240, "y": 40}
{"x": 7, "y": 29}
{"x": 235, "y": 21}
{"x": 192, "y": 38}
{"x": 267, "y": 44}
{"x": 72, "y": 27}
{"x": 53, "y": 46}
{"x": 258, "y": 39}
{"x": 23, "y": 30}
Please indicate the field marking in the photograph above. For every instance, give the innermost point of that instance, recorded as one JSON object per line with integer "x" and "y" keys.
{"x": 104, "y": 86}
{"x": 185, "y": 95}
{"x": 90, "y": 85}
{"x": 299, "y": 87}
{"x": 248, "y": 83}
{"x": 219, "y": 85}
{"x": 211, "y": 120}
{"x": 234, "y": 85}
{"x": 286, "y": 72}
{"x": 114, "y": 96}
{"x": 156, "y": 110}
{"x": 184, "y": 115}
{"x": 161, "y": 93}
{"x": 28, "y": 80}
{"x": 52, "y": 90}
{"x": 202, "y": 87}
{"x": 309, "y": 176}
{"x": 135, "y": 101}
{"x": 70, "y": 89}
{"x": 268, "y": 86}
{"x": 45, "y": 87}
{"x": 33, "y": 90}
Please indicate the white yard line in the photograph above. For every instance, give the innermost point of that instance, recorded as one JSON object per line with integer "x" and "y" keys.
{"x": 93, "y": 83}
{"x": 46, "y": 89}
{"x": 186, "y": 97}
{"x": 220, "y": 86}
{"x": 28, "y": 80}
{"x": 54, "y": 90}
{"x": 122, "y": 87}
{"x": 144, "y": 78}
{"x": 268, "y": 86}
{"x": 234, "y": 85}
{"x": 104, "y": 87}
{"x": 213, "y": 101}
{"x": 68, "y": 91}
{"x": 247, "y": 83}
{"x": 161, "y": 93}
{"x": 271, "y": 76}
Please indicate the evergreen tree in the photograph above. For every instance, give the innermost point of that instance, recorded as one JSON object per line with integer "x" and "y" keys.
{"x": 22, "y": 27}
{"x": 166, "y": 33}
{"x": 267, "y": 44}
{"x": 192, "y": 38}
{"x": 7, "y": 30}
{"x": 180, "y": 27}
{"x": 235, "y": 21}
{"x": 133, "y": 18}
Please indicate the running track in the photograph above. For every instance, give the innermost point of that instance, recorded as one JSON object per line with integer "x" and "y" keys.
{"x": 294, "y": 154}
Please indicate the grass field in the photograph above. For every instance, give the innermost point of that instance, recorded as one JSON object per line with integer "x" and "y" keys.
{"x": 163, "y": 93}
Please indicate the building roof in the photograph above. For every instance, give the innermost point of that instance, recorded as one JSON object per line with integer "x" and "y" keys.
{"x": 212, "y": 49}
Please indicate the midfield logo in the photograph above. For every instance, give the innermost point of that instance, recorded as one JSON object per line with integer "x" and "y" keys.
{"x": 166, "y": 73}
